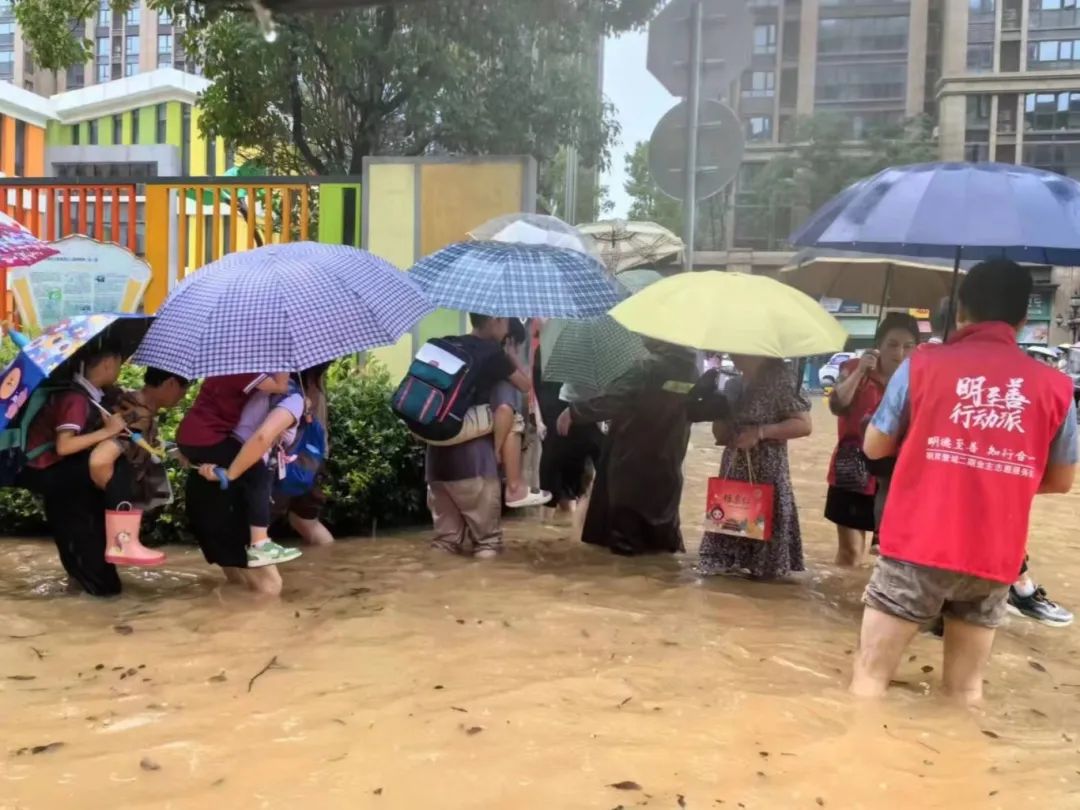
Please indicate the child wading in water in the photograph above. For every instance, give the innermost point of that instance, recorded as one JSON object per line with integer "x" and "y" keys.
{"x": 260, "y": 434}
{"x": 207, "y": 438}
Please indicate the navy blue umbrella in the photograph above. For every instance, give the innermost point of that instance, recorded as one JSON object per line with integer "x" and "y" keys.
{"x": 961, "y": 211}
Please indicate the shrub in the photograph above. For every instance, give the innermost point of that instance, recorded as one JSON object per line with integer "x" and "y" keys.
{"x": 374, "y": 477}
{"x": 376, "y": 470}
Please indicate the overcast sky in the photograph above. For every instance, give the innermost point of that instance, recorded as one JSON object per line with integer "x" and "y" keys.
{"x": 639, "y": 99}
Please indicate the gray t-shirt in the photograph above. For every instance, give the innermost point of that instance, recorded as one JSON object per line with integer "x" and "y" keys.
{"x": 475, "y": 459}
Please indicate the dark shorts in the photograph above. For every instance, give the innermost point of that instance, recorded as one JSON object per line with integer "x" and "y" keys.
{"x": 854, "y": 510}
{"x": 218, "y": 517}
{"x": 919, "y": 594}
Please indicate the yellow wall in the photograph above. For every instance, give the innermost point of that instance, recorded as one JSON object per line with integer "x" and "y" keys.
{"x": 416, "y": 208}
{"x": 391, "y": 229}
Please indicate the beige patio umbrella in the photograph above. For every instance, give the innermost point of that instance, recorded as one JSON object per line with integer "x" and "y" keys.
{"x": 852, "y": 276}
{"x": 625, "y": 245}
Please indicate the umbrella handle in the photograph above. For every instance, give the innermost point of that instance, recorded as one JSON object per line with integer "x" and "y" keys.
{"x": 222, "y": 476}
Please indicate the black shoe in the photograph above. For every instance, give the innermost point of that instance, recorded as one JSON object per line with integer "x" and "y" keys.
{"x": 1039, "y": 607}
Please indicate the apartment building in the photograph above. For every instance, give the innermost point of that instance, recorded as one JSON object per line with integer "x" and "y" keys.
{"x": 1001, "y": 78}
{"x": 124, "y": 45}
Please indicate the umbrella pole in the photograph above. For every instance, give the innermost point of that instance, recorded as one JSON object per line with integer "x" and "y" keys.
{"x": 952, "y": 295}
{"x": 885, "y": 290}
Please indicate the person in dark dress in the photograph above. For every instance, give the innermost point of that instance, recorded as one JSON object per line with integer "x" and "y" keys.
{"x": 634, "y": 508}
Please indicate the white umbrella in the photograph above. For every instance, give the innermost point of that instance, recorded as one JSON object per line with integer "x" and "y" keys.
{"x": 534, "y": 229}
{"x": 625, "y": 245}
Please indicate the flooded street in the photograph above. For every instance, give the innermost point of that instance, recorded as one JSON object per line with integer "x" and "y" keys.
{"x": 555, "y": 678}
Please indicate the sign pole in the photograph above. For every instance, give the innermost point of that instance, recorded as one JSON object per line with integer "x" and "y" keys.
{"x": 692, "y": 113}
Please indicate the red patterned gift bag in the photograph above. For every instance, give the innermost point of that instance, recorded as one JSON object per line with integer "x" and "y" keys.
{"x": 740, "y": 508}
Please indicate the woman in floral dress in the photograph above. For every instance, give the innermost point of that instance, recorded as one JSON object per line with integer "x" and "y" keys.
{"x": 767, "y": 414}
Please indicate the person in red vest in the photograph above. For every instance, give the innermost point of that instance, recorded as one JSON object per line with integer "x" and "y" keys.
{"x": 981, "y": 429}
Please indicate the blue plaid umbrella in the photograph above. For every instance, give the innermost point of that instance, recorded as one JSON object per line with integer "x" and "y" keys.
{"x": 281, "y": 308}
{"x": 512, "y": 280}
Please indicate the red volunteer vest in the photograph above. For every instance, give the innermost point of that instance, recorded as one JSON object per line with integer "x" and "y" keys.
{"x": 983, "y": 417}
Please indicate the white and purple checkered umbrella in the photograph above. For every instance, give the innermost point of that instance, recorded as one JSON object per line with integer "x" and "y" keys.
{"x": 512, "y": 280}
{"x": 281, "y": 308}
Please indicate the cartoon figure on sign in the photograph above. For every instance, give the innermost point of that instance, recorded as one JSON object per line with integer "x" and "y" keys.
{"x": 716, "y": 515}
{"x": 12, "y": 393}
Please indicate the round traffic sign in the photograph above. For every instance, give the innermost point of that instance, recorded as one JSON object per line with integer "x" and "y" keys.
{"x": 720, "y": 149}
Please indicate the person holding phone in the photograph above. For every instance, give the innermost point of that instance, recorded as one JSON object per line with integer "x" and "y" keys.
{"x": 860, "y": 389}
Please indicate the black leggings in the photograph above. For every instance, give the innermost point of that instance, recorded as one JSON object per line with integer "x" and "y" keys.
{"x": 75, "y": 511}
{"x": 257, "y": 481}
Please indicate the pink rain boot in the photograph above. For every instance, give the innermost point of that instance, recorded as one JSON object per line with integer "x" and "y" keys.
{"x": 122, "y": 546}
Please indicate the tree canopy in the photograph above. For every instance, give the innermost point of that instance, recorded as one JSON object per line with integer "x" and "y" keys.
{"x": 821, "y": 162}
{"x": 440, "y": 76}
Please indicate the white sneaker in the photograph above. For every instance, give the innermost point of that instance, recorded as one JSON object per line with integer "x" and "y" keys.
{"x": 270, "y": 553}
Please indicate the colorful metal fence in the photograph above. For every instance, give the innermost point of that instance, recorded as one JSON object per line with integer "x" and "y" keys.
{"x": 181, "y": 224}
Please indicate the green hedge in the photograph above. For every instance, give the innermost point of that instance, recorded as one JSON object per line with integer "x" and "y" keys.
{"x": 375, "y": 477}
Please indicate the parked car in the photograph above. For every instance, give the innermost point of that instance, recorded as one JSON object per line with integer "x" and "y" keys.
{"x": 829, "y": 373}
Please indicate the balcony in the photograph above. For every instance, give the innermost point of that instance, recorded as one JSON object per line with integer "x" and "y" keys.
{"x": 1054, "y": 19}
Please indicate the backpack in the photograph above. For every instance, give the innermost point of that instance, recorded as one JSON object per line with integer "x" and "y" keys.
{"x": 13, "y": 438}
{"x": 306, "y": 457}
{"x": 438, "y": 389}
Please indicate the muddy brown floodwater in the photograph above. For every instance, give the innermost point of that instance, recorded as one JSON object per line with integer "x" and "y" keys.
{"x": 555, "y": 678}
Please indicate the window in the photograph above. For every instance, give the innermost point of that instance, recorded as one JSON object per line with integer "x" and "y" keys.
{"x": 162, "y": 124}
{"x": 1051, "y": 54}
{"x": 862, "y": 34}
{"x": 759, "y": 128}
{"x": 76, "y": 134}
{"x": 765, "y": 38}
{"x": 165, "y": 50}
{"x": 104, "y": 16}
{"x": 93, "y": 126}
{"x": 132, "y": 17}
{"x": 117, "y": 128}
{"x": 131, "y": 68}
{"x": 103, "y": 49}
{"x": 758, "y": 84}
{"x": 134, "y": 126}
{"x": 978, "y": 110}
{"x": 20, "y": 148}
{"x": 1051, "y": 111}
{"x": 980, "y": 57}
{"x": 981, "y": 6}
{"x": 1052, "y": 5}
{"x": 862, "y": 82}
{"x": 131, "y": 46}
{"x": 163, "y": 18}
{"x": 76, "y": 76}
{"x": 103, "y": 72}
{"x": 1063, "y": 158}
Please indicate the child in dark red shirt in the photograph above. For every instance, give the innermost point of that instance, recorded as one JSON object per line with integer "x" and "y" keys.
{"x": 67, "y": 429}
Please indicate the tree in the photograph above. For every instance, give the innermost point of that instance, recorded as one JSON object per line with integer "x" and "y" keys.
{"x": 593, "y": 201}
{"x": 440, "y": 76}
{"x": 649, "y": 203}
{"x": 823, "y": 160}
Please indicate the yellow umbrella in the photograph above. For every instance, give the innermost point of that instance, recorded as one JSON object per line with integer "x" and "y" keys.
{"x": 734, "y": 313}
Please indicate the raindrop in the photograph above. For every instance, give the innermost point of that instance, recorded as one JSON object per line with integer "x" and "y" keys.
{"x": 267, "y": 26}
